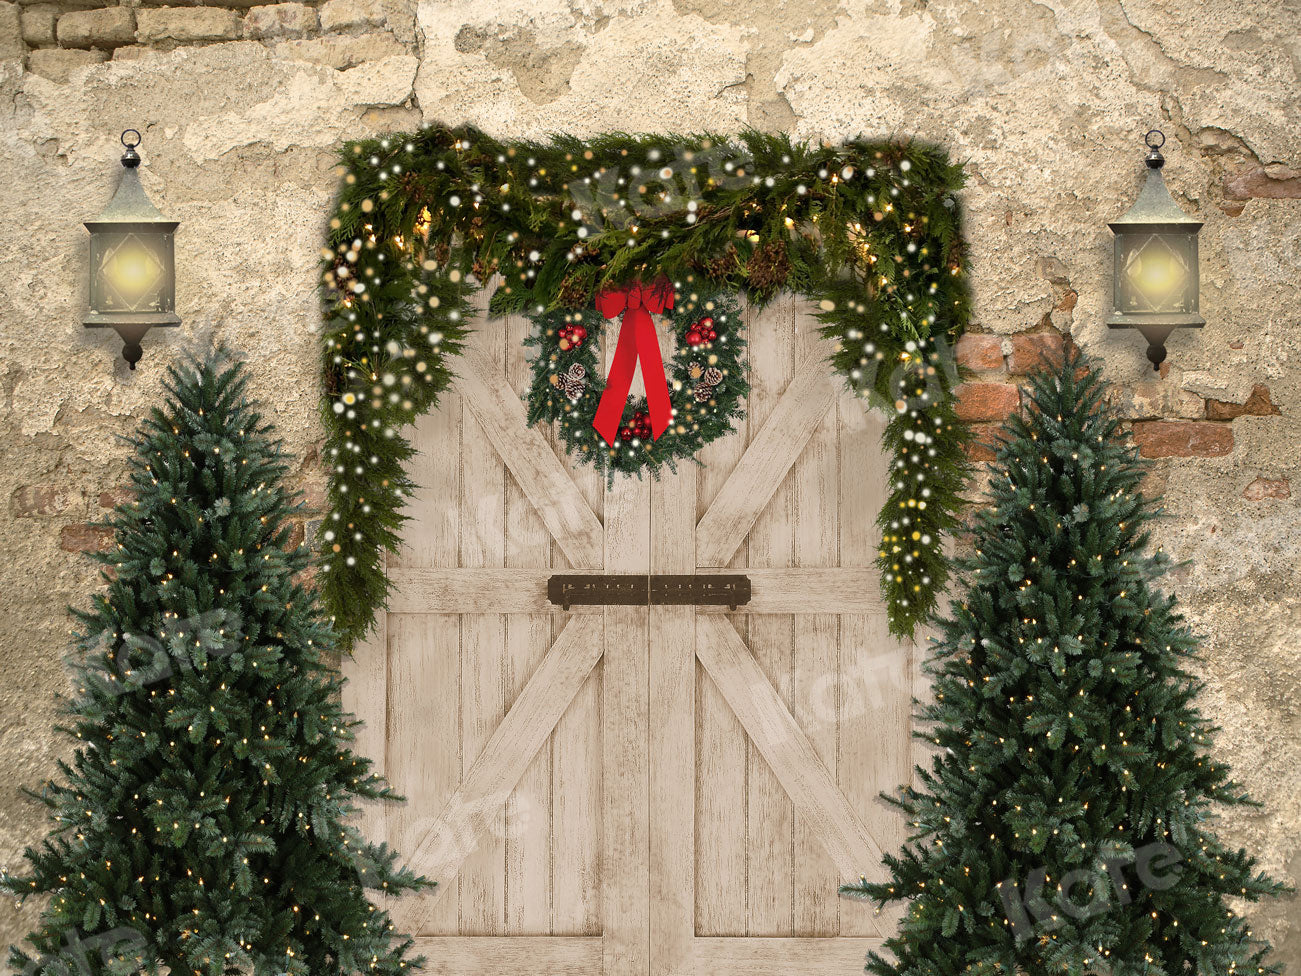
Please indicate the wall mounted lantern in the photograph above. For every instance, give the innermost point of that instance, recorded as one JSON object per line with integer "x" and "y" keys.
{"x": 132, "y": 261}
{"x": 1155, "y": 277}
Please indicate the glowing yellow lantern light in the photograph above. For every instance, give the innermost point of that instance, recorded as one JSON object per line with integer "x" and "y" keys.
{"x": 1155, "y": 279}
{"x": 132, "y": 261}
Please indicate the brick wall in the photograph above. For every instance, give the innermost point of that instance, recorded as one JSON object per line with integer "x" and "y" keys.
{"x": 58, "y": 37}
{"x": 79, "y": 511}
{"x": 1164, "y": 420}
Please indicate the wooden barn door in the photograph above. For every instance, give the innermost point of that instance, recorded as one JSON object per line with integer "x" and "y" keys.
{"x": 640, "y": 790}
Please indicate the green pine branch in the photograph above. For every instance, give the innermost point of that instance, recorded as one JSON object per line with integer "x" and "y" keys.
{"x": 869, "y": 230}
{"x": 1063, "y": 825}
{"x": 201, "y": 825}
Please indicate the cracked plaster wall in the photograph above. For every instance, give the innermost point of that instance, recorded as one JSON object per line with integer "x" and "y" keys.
{"x": 1044, "y": 101}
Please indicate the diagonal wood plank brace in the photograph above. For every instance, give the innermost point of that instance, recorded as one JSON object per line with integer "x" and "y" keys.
{"x": 636, "y": 590}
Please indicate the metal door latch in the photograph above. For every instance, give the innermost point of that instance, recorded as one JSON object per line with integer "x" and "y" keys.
{"x": 632, "y": 590}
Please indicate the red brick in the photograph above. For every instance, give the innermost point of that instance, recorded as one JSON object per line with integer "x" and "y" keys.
{"x": 115, "y": 497}
{"x": 39, "y": 501}
{"x": 86, "y": 538}
{"x": 1182, "y": 438}
{"x": 295, "y": 536}
{"x": 1263, "y": 488}
{"x": 314, "y": 497}
{"x": 983, "y": 439}
{"x": 986, "y": 401}
{"x": 1273, "y": 182}
{"x": 1030, "y": 351}
{"x": 1258, "y": 405}
{"x": 980, "y": 351}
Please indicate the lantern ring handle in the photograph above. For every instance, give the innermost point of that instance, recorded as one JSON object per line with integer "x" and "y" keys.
{"x": 1147, "y": 139}
{"x": 131, "y": 145}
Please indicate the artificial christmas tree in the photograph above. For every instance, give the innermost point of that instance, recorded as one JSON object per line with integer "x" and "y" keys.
{"x": 1063, "y": 825}
{"x": 202, "y": 824}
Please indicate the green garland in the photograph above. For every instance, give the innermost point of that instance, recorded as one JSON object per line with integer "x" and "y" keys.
{"x": 703, "y": 410}
{"x": 870, "y": 230}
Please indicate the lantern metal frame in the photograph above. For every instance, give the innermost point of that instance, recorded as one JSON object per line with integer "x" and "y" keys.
{"x": 131, "y": 217}
{"x": 1155, "y": 222}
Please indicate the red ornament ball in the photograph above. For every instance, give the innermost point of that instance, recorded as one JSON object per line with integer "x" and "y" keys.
{"x": 701, "y": 332}
{"x": 571, "y": 336}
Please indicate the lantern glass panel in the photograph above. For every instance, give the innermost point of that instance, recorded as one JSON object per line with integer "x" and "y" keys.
{"x": 1156, "y": 273}
{"x": 131, "y": 272}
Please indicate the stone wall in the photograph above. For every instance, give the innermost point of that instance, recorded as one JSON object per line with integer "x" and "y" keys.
{"x": 242, "y": 105}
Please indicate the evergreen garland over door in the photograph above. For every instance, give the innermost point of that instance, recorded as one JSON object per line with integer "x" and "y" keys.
{"x": 636, "y": 790}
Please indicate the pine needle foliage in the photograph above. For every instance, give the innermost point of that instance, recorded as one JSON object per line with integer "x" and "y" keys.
{"x": 1065, "y": 823}
{"x": 202, "y": 824}
{"x": 869, "y": 230}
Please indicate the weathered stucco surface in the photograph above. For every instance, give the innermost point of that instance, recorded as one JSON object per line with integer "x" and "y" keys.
{"x": 1044, "y": 101}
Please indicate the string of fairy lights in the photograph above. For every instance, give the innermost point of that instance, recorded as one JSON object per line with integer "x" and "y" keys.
{"x": 868, "y": 230}
{"x": 1067, "y": 745}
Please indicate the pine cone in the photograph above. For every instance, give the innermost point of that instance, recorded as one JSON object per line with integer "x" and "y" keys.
{"x": 574, "y": 382}
{"x": 333, "y": 380}
{"x": 573, "y": 292}
{"x": 719, "y": 266}
{"x": 713, "y": 376}
{"x": 769, "y": 266}
{"x": 695, "y": 371}
{"x": 703, "y": 394}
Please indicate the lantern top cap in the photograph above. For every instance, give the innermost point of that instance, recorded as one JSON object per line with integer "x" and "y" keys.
{"x": 1154, "y": 158}
{"x": 131, "y": 158}
{"x": 130, "y": 203}
{"x": 1154, "y": 206}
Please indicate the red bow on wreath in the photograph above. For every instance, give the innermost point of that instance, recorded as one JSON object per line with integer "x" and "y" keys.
{"x": 637, "y": 341}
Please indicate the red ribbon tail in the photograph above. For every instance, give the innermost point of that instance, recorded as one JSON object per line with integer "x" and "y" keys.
{"x": 652, "y": 375}
{"x": 617, "y": 385}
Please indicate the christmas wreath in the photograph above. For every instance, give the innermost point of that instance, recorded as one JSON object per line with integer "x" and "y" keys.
{"x": 694, "y": 400}
{"x": 869, "y": 230}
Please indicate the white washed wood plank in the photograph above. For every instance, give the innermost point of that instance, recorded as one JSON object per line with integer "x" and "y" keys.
{"x": 431, "y": 536}
{"x": 786, "y": 748}
{"x": 874, "y": 681}
{"x": 625, "y": 870}
{"x": 672, "y": 732}
{"x": 534, "y": 465}
{"x": 816, "y": 484}
{"x": 518, "y": 956}
{"x": 524, "y": 590}
{"x": 443, "y": 844}
{"x": 424, "y": 709}
{"x": 528, "y": 809}
{"x": 365, "y": 695}
{"x": 782, "y": 957}
{"x": 483, "y": 638}
{"x": 770, "y": 543}
{"x": 577, "y": 780}
{"x": 766, "y": 462}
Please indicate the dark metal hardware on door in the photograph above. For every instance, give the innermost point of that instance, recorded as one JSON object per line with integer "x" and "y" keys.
{"x": 642, "y": 591}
